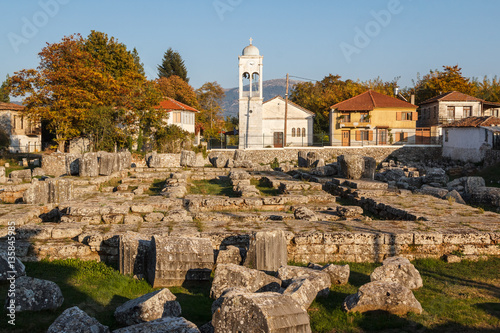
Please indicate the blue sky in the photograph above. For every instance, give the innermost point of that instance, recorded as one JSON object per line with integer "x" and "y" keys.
{"x": 360, "y": 39}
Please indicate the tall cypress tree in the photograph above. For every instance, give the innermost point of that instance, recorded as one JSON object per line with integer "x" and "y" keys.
{"x": 172, "y": 64}
{"x": 4, "y": 94}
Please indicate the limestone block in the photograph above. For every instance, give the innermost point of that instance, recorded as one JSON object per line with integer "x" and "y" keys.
{"x": 304, "y": 213}
{"x": 226, "y": 294}
{"x": 132, "y": 219}
{"x": 239, "y": 155}
{"x": 66, "y": 231}
{"x": 352, "y": 166}
{"x": 370, "y": 167}
{"x": 312, "y": 159}
{"x": 428, "y": 239}
{"x": 154, "y": 217}
{"x": 398, "y": 270}
{"x": 384, "y": 296}
{"x": 173, "y": 260}
{"x": 434, "y": 191}
{"x": 75, "y": 320}
{"x": 148, "y": 307}
{"x": 455, "y": 196}
{"x": 473, "y": 183}
{"x": 262, "y": 312}
{"x": 267, "y": 250}
{"x": 106, "y": 163}
{"x": 3, "y": 178}
{"x": 302, "y": 159}
{"x": 219, "y": 161}
{"x": 466, "y": 238}
{"x": 230, "y": 276}
{"x": 37, "y": 193}
{"x": 24, "y": 174}
{"x": 89, "y": 165}
{"x": 231, "y": 255}
{"x": 54, "y": 164}
{"x": 287, "y": 274}
{"x": 165, "y": 324}
{"x": 349, "y": 211}
{"x": 35, "y": 295}
{"x": 60, "y": 190}
{"x": 339, "y": 274}
{"x": 132, "y": 254}
{"x": 72, "y": 163}
{"x": 188, "y": 158}
{"x": 142, "y": 208}
{"x": 7, "y": 266}
{"x": 305, "y": 290}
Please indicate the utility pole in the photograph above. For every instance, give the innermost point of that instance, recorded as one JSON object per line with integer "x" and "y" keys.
{"x": 286, "y": 110}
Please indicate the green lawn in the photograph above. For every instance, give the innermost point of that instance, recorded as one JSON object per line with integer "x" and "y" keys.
{"x": 212, "y": 187}
{"x": 462, "y": 297}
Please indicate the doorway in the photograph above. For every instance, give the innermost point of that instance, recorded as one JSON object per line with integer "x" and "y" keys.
{"x": 278, "y": 139}
{"x": 346, "y": 138}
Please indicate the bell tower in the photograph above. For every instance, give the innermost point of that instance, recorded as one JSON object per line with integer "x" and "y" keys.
{"x": 250, "y": 100}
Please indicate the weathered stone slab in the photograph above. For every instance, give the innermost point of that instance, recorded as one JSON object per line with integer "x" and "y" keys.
{"x": 267, "y": 250}
{"x": 24, "y": 174}
{"x": 54, "y": 164}
{"x": 148, "y": 307}
{"x": 76, "y": 320}
{"x": 173, "y": 260}
{"x": 73, "y": 164}
{"x": 352, "y": 166}
{"x": 302, "y": 159}
{"x": 398, "y": 270}
{"x": 349, "y": 211}
{"x": 35, "y": 295}
{"x": 304, "y": 213}
{"x": 106, "y": 163}
{"x": 262, "y": 312}
{"x": 89, "y": 165}
{"x": 230, "y": 276}
{"x": 370, "y": 167}
{"x": 188, "y": 158}
{"x": 339, "y": 274}
{"x": 305, "y": 290}
{"x": 132, "y": 253}
{"x": 8, "y": 265}
{"x": 384, "y": 296}
{"x": 165, "y": 324}
{"x": 231, "y": 255}
{"x": 287, "y": 274}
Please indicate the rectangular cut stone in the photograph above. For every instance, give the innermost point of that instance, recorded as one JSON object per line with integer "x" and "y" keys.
{"x": 368, "y": 238}
{"x": 267, "y": 250}
{"x": 132, "y": 254}
{"x": 89, "y": 166}
{"x": 313, "y": 238}
{"x": 425, "y": 239}
{"x": 174, "y": 260}
{"x": 54, "y": 164}
{"x": 343, "y": 238}
{"x": 467, "y": 238}
{"x": 398, "y": 239}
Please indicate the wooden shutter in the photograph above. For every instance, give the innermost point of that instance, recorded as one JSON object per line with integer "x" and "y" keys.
{"x": 414, "y": 116}
{"x": 405, "y": 136}
{"x": 398, "y": 115}
{"x": 370, "y": 135}
{"x": 358, "y": 135}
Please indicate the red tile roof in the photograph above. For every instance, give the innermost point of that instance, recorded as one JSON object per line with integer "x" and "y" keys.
{"x": 453, "y": 96}
{"x": 171, "y": 104}
{"x": 11, "y": 106}
{"x": 291, "y": 103}
{"x": 371, "y": 100}
{"x": 475, "y": 122}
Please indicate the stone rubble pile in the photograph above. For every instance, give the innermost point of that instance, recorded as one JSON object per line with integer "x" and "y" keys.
{"x": 175, "y": 186}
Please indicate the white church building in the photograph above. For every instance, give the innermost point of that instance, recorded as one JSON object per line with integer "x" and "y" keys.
{"x": 262, "y": 124}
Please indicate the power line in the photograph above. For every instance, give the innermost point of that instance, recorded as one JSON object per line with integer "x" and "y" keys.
{"x": 303, "y": 78}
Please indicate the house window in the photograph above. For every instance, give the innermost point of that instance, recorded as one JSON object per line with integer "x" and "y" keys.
{"x": 450, "y": 112}
{"x": 365, "y": 118}
{"x": 402, "y": 136}
{"x": 298, "y": 132}
{"x": 293, "y": 132}
{"x": 303, "y": 132}
{"x": 467, "y": 111}
{"x": 446, "y": 135}
{"x": 177, "y": 117}
{"x": 345, "y": 118}
{"x": 407, "y": 116}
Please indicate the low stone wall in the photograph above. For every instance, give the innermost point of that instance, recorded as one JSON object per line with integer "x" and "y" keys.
{"x": 491, "y": 157}
{"x": 405, "y": 153}
{"x": 35, "y": 244}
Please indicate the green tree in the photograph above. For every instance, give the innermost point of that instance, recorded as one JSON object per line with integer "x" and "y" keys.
{"x": 4, "y": 91}
{"x": 172, "y": 64}
{"x": 137, "y": 62}
{"x": 210, "y": 118}
{"x": 100, "y": 127}
{"x": 488, "y": 89}
{"x": 439, "y": 82}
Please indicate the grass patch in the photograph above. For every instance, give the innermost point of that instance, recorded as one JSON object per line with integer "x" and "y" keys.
{"x": 156, "y": 187}
{"x": 110, "y": 183}
{"x": 264, "y": 188}
{"x": 212, "y": 187}
{"x": 462, "y": 297}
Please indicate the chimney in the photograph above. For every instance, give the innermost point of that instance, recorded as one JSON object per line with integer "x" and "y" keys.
{"x": 396, "y": 91}
{"x": 412, "y": 99}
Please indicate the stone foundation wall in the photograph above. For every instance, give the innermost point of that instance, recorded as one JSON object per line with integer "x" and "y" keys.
{"x": 317, "y": 247}
{"x": 405, "y": 153}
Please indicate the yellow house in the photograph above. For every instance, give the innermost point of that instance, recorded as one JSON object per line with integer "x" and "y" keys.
{"x": 372, "y": 118}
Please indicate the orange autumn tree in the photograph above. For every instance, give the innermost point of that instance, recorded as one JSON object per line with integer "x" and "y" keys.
{"x": 75, "y": 78}
{"x": 178, "y": 89}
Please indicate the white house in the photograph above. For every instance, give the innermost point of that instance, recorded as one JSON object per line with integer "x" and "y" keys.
{"x": 179, "y": 114}
{"x": 24, "y": 133}
{"x": 299, "y": 124}
{"x": 262, "y": 125}
{"x": 468, "y": 139}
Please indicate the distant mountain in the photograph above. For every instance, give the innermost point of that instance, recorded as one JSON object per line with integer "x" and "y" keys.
{"x": 271, "y": 88}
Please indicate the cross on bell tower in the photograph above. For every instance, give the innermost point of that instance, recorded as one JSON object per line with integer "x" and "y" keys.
{"x": 250, "y": 98}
